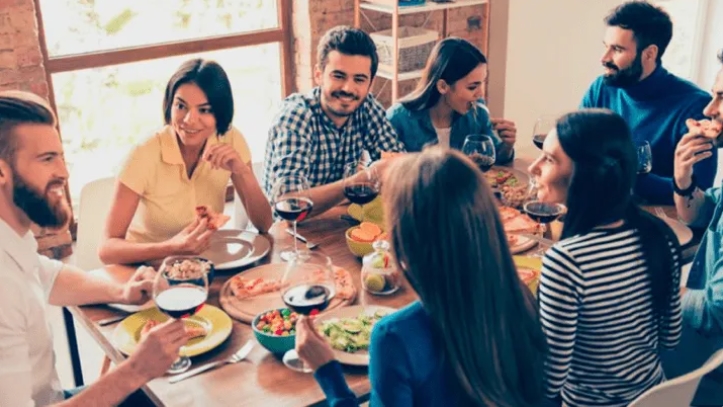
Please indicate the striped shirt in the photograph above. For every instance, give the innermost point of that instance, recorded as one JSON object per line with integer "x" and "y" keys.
{"x": 596, "y": 307}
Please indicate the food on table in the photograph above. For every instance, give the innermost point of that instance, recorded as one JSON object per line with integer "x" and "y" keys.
{"x": 245, "y": 288}
{"x": 192, "y": 330}
{"x": 278, "y": 322}
{"x": 215, "y": 220}
{"x": 379, "y": 274}
{"x": 515, "y": 221}
{"x": 710, "y": 129}
{"x": 350, "y": 334}
{"x": 188, "y": 269}
{"x": 367, "y": 232}
{"x": 512, "y": 240}
{"x": 530, "y": 277}
{"x": 500, "y": 176}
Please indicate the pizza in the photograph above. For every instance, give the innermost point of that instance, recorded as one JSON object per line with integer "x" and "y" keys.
{"x": 244, "y": 288}
{"x": 527, "y": 275}
{"x": 708, "y": 128}
{"x": 515, "y": 221}
{"x": 215, "y": 220}
{"x": 512, "y": 240}
{"x": 498, "y": 176}
{"x": 192, "y": 330}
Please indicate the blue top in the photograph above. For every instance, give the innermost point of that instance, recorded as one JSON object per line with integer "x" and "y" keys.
{"x": 656, "y": 109}
{"x": 703, "y": 301}
{"x": 405, "y": 368}
{"x": 415, "y": 128}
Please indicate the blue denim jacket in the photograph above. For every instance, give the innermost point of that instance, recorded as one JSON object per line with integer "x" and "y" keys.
{"x": 703, "y": 301}
{"x": 415, "y": 129}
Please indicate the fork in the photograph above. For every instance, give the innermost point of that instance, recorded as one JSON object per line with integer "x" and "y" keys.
{"x": 235, "y": 358}
{"x": 309, "y": 245}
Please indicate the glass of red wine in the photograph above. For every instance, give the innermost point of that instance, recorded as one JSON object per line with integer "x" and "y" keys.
{"x": 481, "y": 150}
{"x": 292, "y": 202}
{"x": 307, "y": 287}
{"x": 361, "y": 184}
{"x": 543, "y": 126}
{"x": 180, "y": 289}
{"x": 541, "y": 212}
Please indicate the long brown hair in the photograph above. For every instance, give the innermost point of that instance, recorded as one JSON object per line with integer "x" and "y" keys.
{"x": 448, "y": 239}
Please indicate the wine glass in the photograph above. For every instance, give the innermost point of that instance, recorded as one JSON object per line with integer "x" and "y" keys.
{"x": 645, "y": 157}
{"x": 541, "y": 212}
{"x": 361, "y": 184}
{"x": 307, "y": 287}
{"x": 543, "y": 126}
{"x": 180, "y": 289}
{"x": 292, "y": 202}
{"x": 481, "y": 150}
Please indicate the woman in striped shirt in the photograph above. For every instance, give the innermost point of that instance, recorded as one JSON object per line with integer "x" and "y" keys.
{"x": 609, "y": 296}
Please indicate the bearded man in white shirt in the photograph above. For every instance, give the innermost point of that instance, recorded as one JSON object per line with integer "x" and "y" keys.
{"x": 32, "y": 189}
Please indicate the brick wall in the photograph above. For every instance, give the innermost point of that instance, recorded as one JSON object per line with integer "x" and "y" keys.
{"x": 312, "y": 18}
{"x": 21, "y": 68}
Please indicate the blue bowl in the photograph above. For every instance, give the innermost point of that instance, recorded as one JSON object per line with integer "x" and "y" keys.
{"x": 278, "y": 345}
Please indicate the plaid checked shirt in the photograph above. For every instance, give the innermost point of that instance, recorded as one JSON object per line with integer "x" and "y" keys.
{"x": 304, "y": 140}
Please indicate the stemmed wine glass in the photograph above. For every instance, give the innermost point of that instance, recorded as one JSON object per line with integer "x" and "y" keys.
{"x": 307, "y": 287}
{"x": 541, "y": 212}
{"x": 481, "y": 150}
{"x": 645, "y": 157}
{"x": 543, "y": 125}
{"x": 361, "y": 184}
{"x": 292, "y": 202}
{"x": 180, "y": 289}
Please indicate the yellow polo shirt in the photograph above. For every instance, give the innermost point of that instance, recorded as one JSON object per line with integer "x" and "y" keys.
{"x": 155, "y": 170}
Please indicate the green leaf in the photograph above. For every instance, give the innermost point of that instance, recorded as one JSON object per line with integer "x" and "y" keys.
{"x": 117, "y": 23}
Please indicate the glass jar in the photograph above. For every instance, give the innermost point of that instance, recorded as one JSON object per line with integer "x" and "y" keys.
{"x": 379, "y": 275}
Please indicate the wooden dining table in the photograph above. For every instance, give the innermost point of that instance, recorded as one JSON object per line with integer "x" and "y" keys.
{"x": 261, "y": 379}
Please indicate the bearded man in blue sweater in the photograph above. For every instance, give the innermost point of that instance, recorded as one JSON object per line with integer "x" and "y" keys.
{"x": 654, "y": 102}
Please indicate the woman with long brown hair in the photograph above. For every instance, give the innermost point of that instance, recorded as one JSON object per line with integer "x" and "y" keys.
{"x": 474, "y": 338}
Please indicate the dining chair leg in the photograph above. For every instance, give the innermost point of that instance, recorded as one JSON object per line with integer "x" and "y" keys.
{"x": 73, "y": 347}
{"x": 106, "y": 366}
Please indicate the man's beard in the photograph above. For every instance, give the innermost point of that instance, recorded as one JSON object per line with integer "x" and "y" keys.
{"x": 37, "y": 206}
{"x": 623, "y": 78}
{"x": 334, "y": 96}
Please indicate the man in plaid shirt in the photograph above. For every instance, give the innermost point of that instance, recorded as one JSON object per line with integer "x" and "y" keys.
{"x": 318, "y": 133}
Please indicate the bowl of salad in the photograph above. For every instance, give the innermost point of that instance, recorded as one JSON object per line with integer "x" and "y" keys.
{"x": 275, "y": 330}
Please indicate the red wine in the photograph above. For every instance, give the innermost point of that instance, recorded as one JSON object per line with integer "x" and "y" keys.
{"x": 361, "y": 193}
{"x": 484, "y": 162}
{"x": 294, "y": 209}
{"x": 543, "y": 212}
{"x": 181, "y": 301}
{"x": 538, "y": 139}
{"x": 307, "y": 297}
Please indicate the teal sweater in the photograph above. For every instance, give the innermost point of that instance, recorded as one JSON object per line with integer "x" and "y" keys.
{"x": 656, "y": 109}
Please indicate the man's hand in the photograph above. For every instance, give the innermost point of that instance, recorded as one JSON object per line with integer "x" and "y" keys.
{"x": 692, "y": 148}
{"x": 139, "y": 289}
{"x": 506, "y": 129}
{"x": 311, "y": 347}
{"x": 158, "y": 349}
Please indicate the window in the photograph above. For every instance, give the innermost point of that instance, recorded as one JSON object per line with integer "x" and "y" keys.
{"x": 109, "y": 62}
{"x": 683, "y": 53}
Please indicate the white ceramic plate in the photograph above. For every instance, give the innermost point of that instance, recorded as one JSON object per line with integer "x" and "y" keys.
{"x": 359, "y": 358}
{"x": 232, "y": 248}
{"x": 523, "y": 244}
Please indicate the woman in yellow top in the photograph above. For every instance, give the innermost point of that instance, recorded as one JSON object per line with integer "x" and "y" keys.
{"x": 186, "y": 164}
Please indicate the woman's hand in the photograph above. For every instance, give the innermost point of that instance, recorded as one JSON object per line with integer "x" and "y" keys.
{"x": 310, "y": 345}
{"x": 194, "y": 239}
{"x": 223, "y": 156}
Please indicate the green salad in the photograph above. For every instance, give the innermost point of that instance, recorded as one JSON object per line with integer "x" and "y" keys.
{"x": 350, "y": 334}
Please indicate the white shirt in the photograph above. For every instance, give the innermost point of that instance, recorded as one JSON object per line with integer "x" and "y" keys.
{"x": 443, "y": 136}
{"x": 27, "y": 363}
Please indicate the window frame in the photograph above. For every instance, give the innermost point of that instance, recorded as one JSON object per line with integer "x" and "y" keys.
{"x": 282, "y": 35}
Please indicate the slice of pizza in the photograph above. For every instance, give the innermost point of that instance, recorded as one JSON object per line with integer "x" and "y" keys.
{"x": 512, "y": 240}
{"x": 709, "y": 129}
{"x": 192, "y": 330}
{"x": 520, "y": 224}
{"x": 215, "y": 220}
{"x": 243, "y": 287}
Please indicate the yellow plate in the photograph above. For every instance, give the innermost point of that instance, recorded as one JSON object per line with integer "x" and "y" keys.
{"x": 127, "y": 334}
{"x": 534, "y": 263}
{"x": 373, "y": 212}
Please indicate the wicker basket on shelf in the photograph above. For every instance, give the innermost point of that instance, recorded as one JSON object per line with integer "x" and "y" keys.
{"x": 415, "y": 45}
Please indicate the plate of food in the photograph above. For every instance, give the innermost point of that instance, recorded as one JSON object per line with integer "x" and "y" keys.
{"x": 348, "y": 331}
{"x": 512, "y": 184}
{"x": 516, "y": 222}
{"x": 231, "y": 248}
{"x": 519, "y": 243}
{"x": 207, "y": 329}
{"x": 247, "y": 294}
{"x": 529, "y": 268}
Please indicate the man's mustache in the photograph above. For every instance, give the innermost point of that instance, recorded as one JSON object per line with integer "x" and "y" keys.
{"x": 342, "y": 94}
{"x": 610, "y": 65}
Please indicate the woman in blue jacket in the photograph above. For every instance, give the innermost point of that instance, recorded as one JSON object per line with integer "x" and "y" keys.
{"x": 447, "y": 105}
